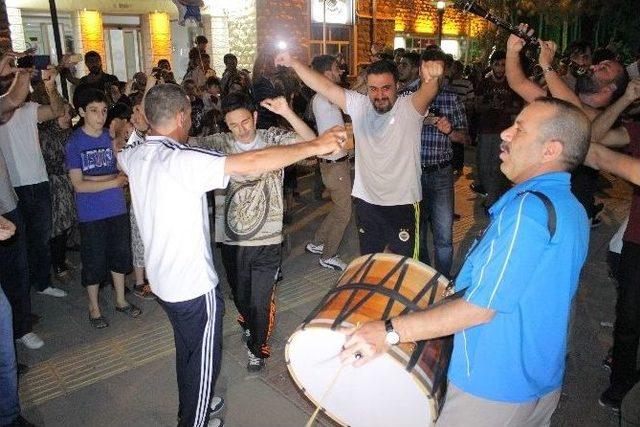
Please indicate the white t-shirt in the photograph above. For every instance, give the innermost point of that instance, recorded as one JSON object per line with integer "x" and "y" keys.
{"x": 327, "y": 115}
{"x": 388, "y": 164}
{"x": 21, "y": 147}
{"x": 168, "y": 183}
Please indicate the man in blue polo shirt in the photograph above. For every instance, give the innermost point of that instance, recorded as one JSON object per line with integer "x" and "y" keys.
{"x": 520, "y": 277}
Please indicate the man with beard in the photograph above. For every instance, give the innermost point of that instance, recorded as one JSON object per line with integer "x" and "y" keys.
{"x": 387, "y": 131}
{"x": 602, "y": 85}
{"x": 96, "y": 79}
{"x": 495, "y": 102}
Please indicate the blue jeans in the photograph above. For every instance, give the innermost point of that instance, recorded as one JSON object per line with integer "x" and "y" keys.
{"x": 34, "y": 202}
{"x": 436, "y": 213}
{"x": 9, "y": 404}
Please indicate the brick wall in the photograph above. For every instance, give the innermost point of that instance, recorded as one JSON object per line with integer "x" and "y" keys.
{"x": 286, "y": 20}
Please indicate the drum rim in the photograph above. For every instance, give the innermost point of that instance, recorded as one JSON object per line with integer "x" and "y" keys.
{"x": 392, "y": 352}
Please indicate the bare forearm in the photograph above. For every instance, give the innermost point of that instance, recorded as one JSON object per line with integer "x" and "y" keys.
{"x": 55, "y": 100}
{"x": 320, "y": 84}
{"x": 601, "y": 125}
{"x": 518, "y": 80}
{"x": 440, "y": 321}
{"x": 425, "y": 94}
{"x": 66, "y": 73}
{"x": 88, "y": 186}
{"x": 559, "y": 89}
{"x": 626, "y": 167}
{"x": 268, "y": 159}
{"x": 17, "y": 93}
{"x": 300, "y": 127}
{"x": 460, "y": 136}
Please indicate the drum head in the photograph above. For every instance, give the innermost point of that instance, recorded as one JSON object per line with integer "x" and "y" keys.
{"x": 381, "y": 393}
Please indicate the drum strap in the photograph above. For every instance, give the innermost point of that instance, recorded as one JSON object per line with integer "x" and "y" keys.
{"x": 552, "y": 219}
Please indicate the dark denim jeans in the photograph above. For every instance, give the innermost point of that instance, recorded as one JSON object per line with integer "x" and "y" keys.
{"x": 436, "y": 213}
{"x": 34, "y": 202}
{"x": 9, "y": 404}
{"x": 14, "y": 275}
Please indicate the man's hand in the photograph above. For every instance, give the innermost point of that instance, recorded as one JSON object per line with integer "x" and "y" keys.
{"x": 7, "y": 228}
{"x": 444, "y": 125}
{"x": 330, "y": 142}
{"x": 284, "y": 59}
{"x": 516, "y": 43}
{"x": 430, "y": 70}
{"x": 547, "y": 53}
{"x": 122, "y": 180}
{"x": 49, "y": 76}
{"x": 633, "y": 89}
{"x": 364, "y": 343}
{"x": 277, "y": 105}
{"x": 7, "y": 63}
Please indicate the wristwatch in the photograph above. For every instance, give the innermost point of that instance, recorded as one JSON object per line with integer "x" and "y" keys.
{"x": 392, "y": 337}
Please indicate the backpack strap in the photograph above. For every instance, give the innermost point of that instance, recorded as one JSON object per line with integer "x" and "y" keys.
{"x": 552, "y": 219}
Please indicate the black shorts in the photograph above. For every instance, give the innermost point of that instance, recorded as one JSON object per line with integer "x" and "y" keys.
{"x": 387, "y": 228}
{"x": 105, "y": 245}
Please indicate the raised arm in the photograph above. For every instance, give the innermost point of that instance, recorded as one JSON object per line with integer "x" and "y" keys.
{"x": 518, "y": 81}
{"x": 55, "y": 108}
{"x": 313, "y": 79}
{"x": 18, "y": 91}
{"x": 430, "y": 74}
{"x": 601, "y": 126}
{"x": 273, "y": 158}
{"x": 557, "y": 87}
{"x": 280, "y": 106}
{"x": 626, "y": 167}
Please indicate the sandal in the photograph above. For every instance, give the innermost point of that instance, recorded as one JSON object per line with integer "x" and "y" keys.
{"x": 98, "y": 322}
{"x": 130, "y": 310}
{"x": 143, "y": 291}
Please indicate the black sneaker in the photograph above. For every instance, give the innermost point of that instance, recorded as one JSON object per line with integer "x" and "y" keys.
{"x": 21, "y": 422}
{"x": 255, "y": 364}
{"x": 479, "y": 189}
{"x": 607, "y": 400}
{"x": 607, "y": 361}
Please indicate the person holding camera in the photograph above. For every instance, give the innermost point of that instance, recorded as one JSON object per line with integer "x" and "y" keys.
{"x": 446, "y": 123}
{"x": 96, "y": 79}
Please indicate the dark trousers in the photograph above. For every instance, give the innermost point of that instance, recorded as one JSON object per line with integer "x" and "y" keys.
{"x": 58, "y": 247}
{"x": 14, "y": 275}
{"x": 9, "y": 403}
{"x": 34, "y": 202}
{"x": 387, "y": 228}
{"x": 584, "y": 184}
{"x": 626, "y": 333}
{"x": 197, "y": 331}
{"x": 488, "y": 163}
{"x": 436, "y": 213}
{"x": 251, "y": 272}
{"x": 458, "y": 156}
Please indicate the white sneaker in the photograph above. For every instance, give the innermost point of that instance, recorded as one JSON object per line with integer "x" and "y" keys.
{"x": 216, "y": 405}
{"x": 255, "y": 363}
{"x": 334, "y": 262}
{"x": 53, "y": 292}
{"x": 31, "y": 340}
{"x": 314, "y": 249}
{"x": 215, "y": 422}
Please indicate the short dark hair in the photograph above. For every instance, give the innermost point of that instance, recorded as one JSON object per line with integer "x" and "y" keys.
{"x": 433, "y": 55}
{"x": 213, "y": 81}
{"x": 383, "y": 66}
{"x": 119, "y": 110}
{"x": 236, "y": 101}
{"x": 413, "y": 58}
{"x": 228, "y": 57}
{"x": 399, "y": 51}
{"x": 201, "y": 39}
{"x": 322, "y": 63}
{"x": 89, "y": 95}
{"x": 92, "y": 54}
{"x": 164, "y": 102}
{"x": 164, "y": 61}
{"x": 602, "y": 54}
{"x": 577, "y": 46}
{"x": 571, "y": 127}
{"x": 497, "y": 55}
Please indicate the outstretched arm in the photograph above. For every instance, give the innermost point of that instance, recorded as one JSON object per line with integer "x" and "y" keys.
{"x": 430, "y": 73}
{"x": 601, "y": 127}
{"x": 280, "y": 106}
{"x": 626, "y": 167}
{"x": 518, "y": 81}
{"x": 268, "y": 159}
{"x": 314, "y": 79}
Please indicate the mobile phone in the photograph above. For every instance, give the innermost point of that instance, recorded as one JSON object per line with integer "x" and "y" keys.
{"x": 26, "y": 61}
{"x": 39, "y": 62}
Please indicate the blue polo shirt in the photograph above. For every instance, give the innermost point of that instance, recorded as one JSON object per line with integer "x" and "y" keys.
{"x": 530, "y": 281}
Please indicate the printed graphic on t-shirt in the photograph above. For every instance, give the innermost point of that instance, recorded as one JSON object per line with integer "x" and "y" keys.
{"x": 97, "y": 159}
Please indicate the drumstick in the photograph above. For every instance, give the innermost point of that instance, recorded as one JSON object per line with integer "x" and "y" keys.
{"x": 326, "y": 392}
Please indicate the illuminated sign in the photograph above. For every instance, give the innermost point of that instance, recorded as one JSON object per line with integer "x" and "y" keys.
{"x": 331, "y": 11}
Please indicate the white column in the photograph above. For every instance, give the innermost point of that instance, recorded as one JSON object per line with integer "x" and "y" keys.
{"x": 17, "y": 29}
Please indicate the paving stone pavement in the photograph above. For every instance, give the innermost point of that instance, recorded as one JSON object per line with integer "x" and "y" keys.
{"x": 125, "y": 374}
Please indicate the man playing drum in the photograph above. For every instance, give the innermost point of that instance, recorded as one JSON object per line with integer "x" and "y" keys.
{"x": 520, "y": 277}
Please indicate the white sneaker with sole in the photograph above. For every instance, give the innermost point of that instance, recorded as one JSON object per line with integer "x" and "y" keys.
{"x": 314, "y": 249}
{"x": 215, "y": 422}
{"x": 216, "y": 405}
{"x": 53, "y": 292}
{"x": 31, "y": 340}
{"x": 334, "y": 262}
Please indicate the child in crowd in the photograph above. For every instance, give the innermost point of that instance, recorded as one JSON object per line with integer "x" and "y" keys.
{"x": 100, "y": 202}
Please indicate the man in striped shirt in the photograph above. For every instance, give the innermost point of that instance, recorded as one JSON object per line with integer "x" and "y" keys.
{"x": 518, "y": 280}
